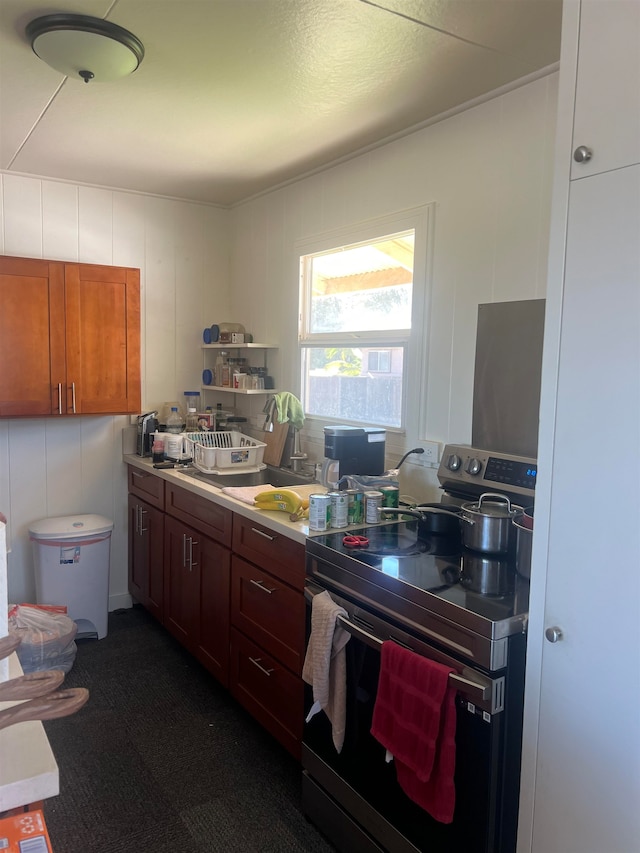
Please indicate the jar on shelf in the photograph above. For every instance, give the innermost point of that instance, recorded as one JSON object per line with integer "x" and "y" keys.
{"x": 237, "y": 367}
{"x": 221, "y": 370}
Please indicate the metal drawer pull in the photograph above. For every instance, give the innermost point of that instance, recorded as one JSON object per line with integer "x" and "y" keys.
{"x": 261, "y": 586}
{"x": 191, "y": 563}
{"x": 73, "y": 397}
{"x": 256, "y": 662}
{"x": 262, "y": 533}
{"x": 465, "y": 685}
{"x": 59, "y": 398}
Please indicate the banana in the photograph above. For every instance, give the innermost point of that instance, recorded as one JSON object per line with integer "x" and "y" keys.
{"x": 280, "y": 499}
{"x": 284, "y": 499}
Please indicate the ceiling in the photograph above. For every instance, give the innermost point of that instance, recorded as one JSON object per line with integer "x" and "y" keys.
{"x": 234, "y": 97}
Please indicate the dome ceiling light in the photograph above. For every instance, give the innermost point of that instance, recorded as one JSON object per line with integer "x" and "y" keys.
{"x": 86, "y": 48}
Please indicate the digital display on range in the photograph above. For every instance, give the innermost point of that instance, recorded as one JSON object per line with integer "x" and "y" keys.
{"x": 511, "y": 473}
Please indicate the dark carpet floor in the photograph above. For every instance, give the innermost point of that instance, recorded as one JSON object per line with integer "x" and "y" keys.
{"x": 162, "y": 758}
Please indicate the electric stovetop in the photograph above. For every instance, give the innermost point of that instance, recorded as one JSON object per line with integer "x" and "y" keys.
{"x": 396, "y": 569}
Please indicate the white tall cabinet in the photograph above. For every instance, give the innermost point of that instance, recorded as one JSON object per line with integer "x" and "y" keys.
{"x": 581, "y": 760}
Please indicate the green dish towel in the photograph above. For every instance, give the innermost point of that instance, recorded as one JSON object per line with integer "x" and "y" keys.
{"x": 289, "y": 408}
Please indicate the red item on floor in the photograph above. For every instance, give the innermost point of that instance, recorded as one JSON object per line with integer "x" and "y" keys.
{"x": 24, "y": 831}
{"x": 414, "y": 718}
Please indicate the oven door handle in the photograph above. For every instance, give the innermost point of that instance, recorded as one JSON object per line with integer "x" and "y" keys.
{"x": 473, "y": 689}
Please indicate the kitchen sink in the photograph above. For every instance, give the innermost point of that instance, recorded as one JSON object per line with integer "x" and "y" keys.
{"x": 278, "y": 477}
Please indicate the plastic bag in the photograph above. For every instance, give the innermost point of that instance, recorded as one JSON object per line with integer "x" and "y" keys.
{"x": 47, "y": 637}
{"x": 365, "y": 482}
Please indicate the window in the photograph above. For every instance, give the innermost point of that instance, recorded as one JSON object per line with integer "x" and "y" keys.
{"x": 379, "y": 361}
{"x": 355, "y": 324}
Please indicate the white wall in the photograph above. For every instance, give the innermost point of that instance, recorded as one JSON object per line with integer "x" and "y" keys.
{"x": 488, "y": 170}
{"x": 50, "y": 466}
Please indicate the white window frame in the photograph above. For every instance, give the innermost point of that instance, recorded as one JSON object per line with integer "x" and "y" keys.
{"x": 414, "y": 340}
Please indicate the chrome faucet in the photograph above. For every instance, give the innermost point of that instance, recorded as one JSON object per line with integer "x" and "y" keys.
{"x": 297, "y": 456}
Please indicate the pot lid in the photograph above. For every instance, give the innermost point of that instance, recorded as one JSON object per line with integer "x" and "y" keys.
{"x": 492, "y": 505}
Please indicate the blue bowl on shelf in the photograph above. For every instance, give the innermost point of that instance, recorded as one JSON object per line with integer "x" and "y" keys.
{"x": 207, "y": 377}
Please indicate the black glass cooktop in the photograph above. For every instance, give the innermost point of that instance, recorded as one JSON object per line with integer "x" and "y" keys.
{"x": 437, "y": 573}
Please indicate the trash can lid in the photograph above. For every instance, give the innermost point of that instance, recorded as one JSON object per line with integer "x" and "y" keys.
{"x": 71, "y": 526}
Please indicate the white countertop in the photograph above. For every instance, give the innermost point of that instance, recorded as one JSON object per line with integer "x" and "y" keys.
{"x": 28, "y": 769}
{"x": 279, "y": 522}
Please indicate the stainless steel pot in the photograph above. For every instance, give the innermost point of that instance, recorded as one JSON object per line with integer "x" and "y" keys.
{"x": 486, "y": 574}
{"x": 486, "y": 525}
{"x": 524, "y": 540}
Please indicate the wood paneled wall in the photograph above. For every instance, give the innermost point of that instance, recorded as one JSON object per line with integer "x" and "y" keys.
{"x": 487, "y": 171}
{"x": 51, "y": 467}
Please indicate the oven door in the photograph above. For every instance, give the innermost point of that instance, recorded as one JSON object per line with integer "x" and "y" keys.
{"x": 354, "y": 797}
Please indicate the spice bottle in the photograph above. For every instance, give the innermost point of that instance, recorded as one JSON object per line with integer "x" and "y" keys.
{"x": 157, "y": 451}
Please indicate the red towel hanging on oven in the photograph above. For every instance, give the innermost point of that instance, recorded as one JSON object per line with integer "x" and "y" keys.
{"x": 414, "y": 717}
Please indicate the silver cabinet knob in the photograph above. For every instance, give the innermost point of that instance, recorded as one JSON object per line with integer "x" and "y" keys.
{"x": 553, "y": 634}
{"x": 582, "y": 154}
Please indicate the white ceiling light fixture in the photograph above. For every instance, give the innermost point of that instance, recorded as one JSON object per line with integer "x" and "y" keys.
{"x": 85, "y": 48}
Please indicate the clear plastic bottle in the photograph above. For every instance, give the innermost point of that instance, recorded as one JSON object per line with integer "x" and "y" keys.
{"x": 192, "y": 404}
{"x": 221, "y": 369}
{"x": 174, "y": 421}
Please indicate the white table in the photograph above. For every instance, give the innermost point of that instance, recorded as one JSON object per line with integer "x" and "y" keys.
{"x": 28, "y": 769}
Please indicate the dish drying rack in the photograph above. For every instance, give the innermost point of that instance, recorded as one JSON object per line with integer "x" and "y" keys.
{"x": 225, "y": 452}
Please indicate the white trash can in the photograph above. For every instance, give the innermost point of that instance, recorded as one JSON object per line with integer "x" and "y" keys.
{"x": 71, "y": 559}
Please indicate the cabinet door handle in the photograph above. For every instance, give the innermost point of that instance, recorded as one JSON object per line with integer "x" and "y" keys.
{"x": 256, "y": 662}
{"x": 73, "y": 397}
{"x": 191, "y": 563}
{"x": 184, "y": 550}
{"x": 261, "y": 585}
{"x": 582, "y": 154}
{"x": 262, "y": 533}
{"x": 59, "y": 398}
{"x": 143, "y": 529}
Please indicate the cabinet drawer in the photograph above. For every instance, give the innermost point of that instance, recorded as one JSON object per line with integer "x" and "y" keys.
{"x": 278, "y": 554}
{"x": 203, "y": 515}
{"x": 268, "y": 691}
{"x": 146, "y": 485}
{"x": 269, "y": 612}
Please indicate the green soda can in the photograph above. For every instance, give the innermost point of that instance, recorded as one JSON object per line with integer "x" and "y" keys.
{"x": 390, "y": 497}
{"x": 355, "y": 510}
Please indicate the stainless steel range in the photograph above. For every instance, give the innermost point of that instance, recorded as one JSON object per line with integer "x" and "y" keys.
{"x": 466, "y": 472}
{"x": 420, "y": 592}
{"x": 430, "y": 594}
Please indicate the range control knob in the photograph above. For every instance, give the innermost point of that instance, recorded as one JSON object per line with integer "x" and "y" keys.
{"x": 454, "y": 462}
{"x": 474, "y": 466}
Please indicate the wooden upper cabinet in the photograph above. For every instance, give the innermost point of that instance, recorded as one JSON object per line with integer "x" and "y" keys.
{"x": 32, "y": 345}
{"x": 69, "y": 338}
{"x": 103, "y": 339}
